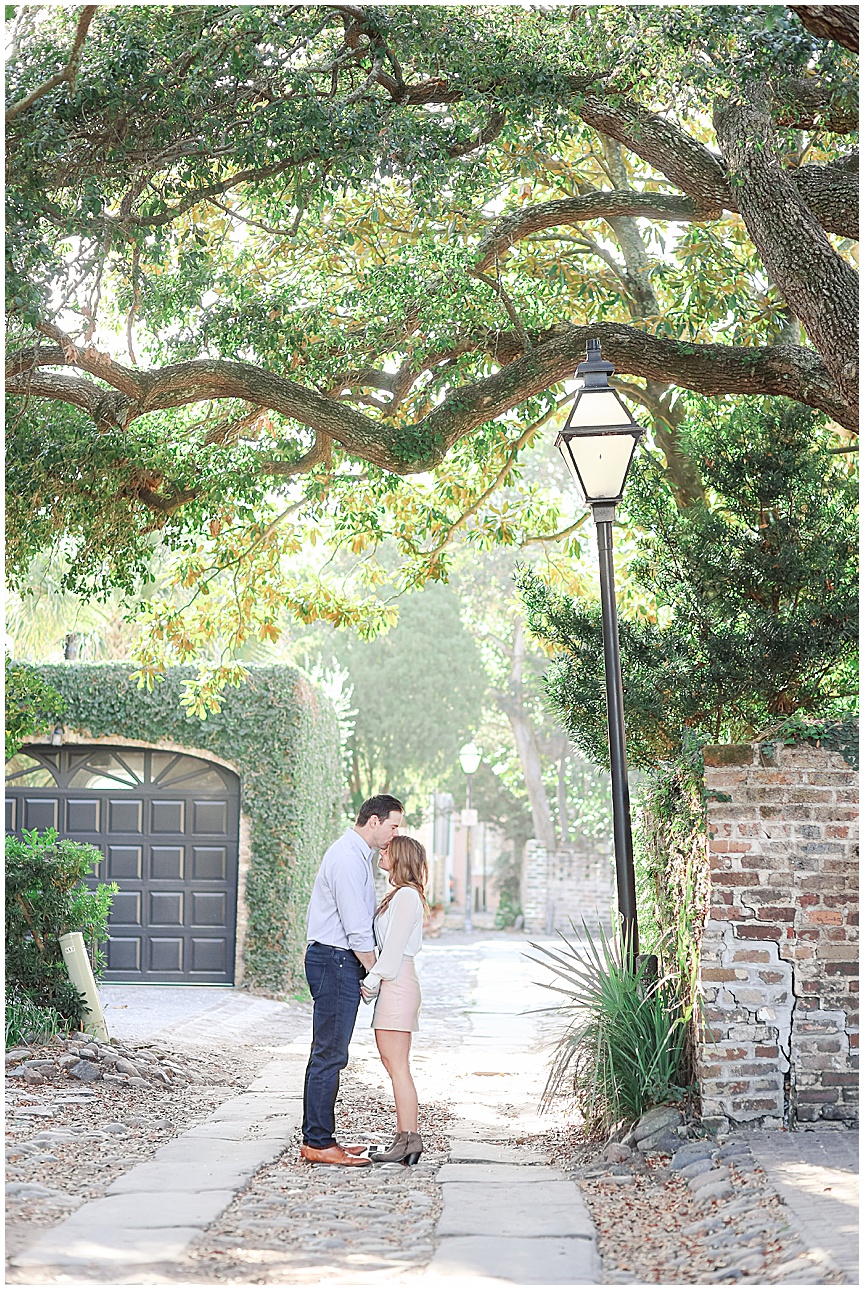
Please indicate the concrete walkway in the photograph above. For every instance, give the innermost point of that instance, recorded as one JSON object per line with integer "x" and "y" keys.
{"x": 507, "y": 1218}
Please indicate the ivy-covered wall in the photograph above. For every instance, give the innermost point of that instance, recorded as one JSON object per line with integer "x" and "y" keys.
{"x": 282, "y": 737}
{"x": 672, "y": 873}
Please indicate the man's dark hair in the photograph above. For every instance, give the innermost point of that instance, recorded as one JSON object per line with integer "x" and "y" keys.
{"x": 381, "y": 805}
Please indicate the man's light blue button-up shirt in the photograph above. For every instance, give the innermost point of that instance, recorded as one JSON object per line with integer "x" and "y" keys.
{"x": 342, "y": 905}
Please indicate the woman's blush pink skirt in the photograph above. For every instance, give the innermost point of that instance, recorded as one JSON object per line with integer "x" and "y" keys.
{"x": 398, "y": 1003}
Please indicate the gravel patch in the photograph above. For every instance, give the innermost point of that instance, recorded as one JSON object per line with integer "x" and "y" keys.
{"x": 67, "y": 1139}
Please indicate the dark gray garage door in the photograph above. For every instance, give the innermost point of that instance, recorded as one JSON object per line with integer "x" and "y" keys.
{"x": 167, "y": 825}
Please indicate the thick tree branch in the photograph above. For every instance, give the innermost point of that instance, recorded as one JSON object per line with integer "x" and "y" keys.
{"x": 837, "y": 22}
{"x": 27, "y": 360}
{"x": 819, "y": 286}
{"x": 804, "y": 104}
{"x": 130, "y": 381}
{"x": 576, "y": 210}
{"x": 831, "y": 192}
{"x": 321, "y": 451}
{"x": 70, "y": 71}
{"x": 486, "y": 134}
{"x": 109, "y": 409}
{"x": 163, "y": 506}
{"x": 702, "y": 175}
{"x": 688, "y": 164}
{"x": 406, "y": 449}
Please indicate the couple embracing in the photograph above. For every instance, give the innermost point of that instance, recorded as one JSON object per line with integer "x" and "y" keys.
{"x": 344, "y": 931}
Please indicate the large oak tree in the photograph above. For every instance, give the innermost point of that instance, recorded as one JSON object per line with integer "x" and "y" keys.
{"x": 329, "y": 248}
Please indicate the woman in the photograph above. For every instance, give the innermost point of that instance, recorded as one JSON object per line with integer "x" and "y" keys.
{"x": 399, "y": 936}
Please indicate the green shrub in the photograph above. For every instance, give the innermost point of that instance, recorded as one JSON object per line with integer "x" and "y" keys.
{"x": 508, "y": 910}
{"x": 31, "y": 705}
{"x": 46, "y": 897}
{"x": 672, "y": 871}
{"x": 508, "y": 873}
{"x": 623, "y": 1048}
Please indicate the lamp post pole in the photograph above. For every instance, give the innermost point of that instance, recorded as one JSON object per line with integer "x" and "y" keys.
{"x": 469, "y": 923}
{"x": 597, "y": 443}
{"x": 621, "y": 827}
{"x": 469, "y": 759}
{"x": 484, "y": 868}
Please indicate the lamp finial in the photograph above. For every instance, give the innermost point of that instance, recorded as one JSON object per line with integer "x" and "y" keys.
{"x": 595, "y": 371}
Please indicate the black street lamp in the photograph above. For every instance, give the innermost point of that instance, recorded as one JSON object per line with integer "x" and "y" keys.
{"x": 597, "y": 443}
{"x": 469, "y": 760}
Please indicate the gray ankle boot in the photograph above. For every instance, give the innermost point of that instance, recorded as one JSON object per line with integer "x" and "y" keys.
{"x": 413, "y": 1149}
{"x": 394, "y": 1153}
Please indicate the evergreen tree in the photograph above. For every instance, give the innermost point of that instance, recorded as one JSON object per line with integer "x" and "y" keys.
{"x": 753, "y": 604}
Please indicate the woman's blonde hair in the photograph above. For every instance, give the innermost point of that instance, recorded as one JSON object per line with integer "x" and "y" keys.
{"x": 408, "y": 868}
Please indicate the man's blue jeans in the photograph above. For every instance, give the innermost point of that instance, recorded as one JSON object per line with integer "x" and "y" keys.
{"x": 334, "y": 979}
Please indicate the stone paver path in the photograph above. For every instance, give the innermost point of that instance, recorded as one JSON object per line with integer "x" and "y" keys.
{"x": 478, "y": 1052}
{"x": 815, "y": 1171}
{"x": 152, "y": 1213}
{"x": 506, "y": 1218}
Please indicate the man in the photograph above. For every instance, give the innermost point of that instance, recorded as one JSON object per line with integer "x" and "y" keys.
{"x": 341, "y": 950}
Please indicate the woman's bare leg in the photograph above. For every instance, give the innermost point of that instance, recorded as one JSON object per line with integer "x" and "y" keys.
{"x": 395, "y": 1047}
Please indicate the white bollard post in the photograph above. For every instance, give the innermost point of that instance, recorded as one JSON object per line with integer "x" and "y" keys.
{"x": 81, "y": 975}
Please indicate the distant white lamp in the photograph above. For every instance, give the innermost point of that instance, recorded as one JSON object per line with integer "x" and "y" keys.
{"x": 469, "y": 759}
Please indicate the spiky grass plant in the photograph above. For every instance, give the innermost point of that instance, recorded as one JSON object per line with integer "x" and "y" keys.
{"x": 27, "y": 1022}
{"x": 623, "y": 1048}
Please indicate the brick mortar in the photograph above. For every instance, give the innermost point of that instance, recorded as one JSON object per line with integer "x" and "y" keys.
{"x": 779, "y": 976}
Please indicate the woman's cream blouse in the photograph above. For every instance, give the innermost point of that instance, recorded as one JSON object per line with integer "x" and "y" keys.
{"x": 398, "y": 932}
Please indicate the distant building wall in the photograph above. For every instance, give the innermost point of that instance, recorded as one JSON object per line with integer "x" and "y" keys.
{"x": 576, "y": 883}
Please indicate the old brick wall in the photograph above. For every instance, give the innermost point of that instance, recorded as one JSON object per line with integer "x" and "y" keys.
{"x": 779, "y": 970}
{"x": 574, "y": 883}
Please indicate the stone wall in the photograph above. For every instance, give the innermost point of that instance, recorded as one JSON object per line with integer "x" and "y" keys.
{"x": 576, "y": 883}
{"x": 779, "y": 970}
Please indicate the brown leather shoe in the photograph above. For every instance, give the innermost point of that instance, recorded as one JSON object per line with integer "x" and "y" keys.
{"x": 334, "y": 1155}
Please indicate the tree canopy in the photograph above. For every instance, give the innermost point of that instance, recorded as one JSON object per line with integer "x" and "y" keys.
{"x": 273, "y": 268}
{"x": 417, "y": 695}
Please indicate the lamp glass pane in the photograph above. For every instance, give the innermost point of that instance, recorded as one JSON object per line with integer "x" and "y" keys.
{"x": 599, "y": 408}
{"x": 564, "y": 449}
{"x": 469, "y": 758}
{"x": 601, "y": 463}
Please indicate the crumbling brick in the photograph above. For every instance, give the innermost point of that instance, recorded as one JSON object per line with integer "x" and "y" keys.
{"x": 781, "y": 955}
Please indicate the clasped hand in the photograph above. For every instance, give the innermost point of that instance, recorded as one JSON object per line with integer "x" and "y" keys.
{"x": 367, "y": 993}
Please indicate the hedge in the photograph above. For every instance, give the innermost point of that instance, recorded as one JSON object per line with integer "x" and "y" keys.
{"x": 282, "y": 736}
